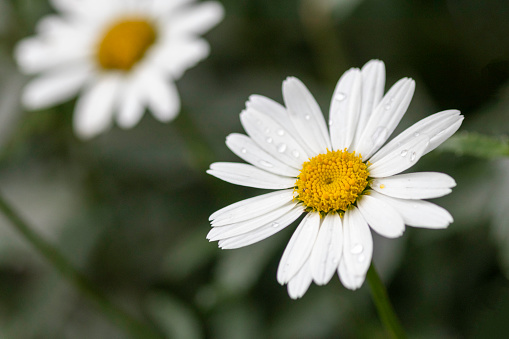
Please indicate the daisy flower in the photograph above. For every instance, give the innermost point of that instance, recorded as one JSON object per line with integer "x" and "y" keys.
{"x": 341, "y": 178}
{"x": 123, "y": 55}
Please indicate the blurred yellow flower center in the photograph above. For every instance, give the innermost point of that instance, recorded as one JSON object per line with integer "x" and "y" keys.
{"x": 332, "y": 181}
{"x": 125, "y": 43}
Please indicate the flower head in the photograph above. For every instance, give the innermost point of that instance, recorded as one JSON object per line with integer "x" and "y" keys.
{"x": 124, "y": 55}
{"x": 342, "y": 179}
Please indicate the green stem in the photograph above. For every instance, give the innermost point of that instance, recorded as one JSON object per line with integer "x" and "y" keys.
{"x": 383, "y": 304}
{"x": 122, "y": 319}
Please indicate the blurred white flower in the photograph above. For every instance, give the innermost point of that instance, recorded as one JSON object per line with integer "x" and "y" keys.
{"x": 323, "y": 174}
{"x": 124, "y": 55}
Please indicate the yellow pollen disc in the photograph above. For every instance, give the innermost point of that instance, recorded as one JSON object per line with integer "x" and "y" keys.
{"x": 125, "y": 43}
{"x": 332, "y": 181}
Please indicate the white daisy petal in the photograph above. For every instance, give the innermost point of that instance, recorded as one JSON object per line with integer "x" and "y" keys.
{"x": 373, "y": 85}
{"x": 273, "y": 138}
{"x": 420, "y": 185}
{"x": 328, "y": 248}
{"x": 386, "y": 117}
{"x": 357, "y": 245}
{"x": 251, "y": 208}
{"x": 165, "y": 6}
{"x": 384, "y": 219}
{"x": 399, "y": 159}
{"x": 55, "y": 87}
{"x": 162, "y": 96}
{"x": 247, "y": 175}
{"x": 418, "y": 213}
{"x": 347, "y": 278}
{"x": 131, "y": 106}
{"x": 437, "y": 127}
{"x": 180, "y": 54}
{"x": 306, "y": 115}
{"x": 262, "y": 232}
{"x": 244, "y": 147}
{"x": 232, "y": 230}
{"x": 299, "y": 247}
{"x": 197, "y": 19}
{"x": 300, "y": 282}
{"x": 94, "y": 108}
{"x": 345, "y": 108}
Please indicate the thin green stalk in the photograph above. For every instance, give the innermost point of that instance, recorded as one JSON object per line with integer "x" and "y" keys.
{"x": 383, "y": 304}
{"x": 133, "y": 326}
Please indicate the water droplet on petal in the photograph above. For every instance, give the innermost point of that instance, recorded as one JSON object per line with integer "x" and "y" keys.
{"x": 274, "y": 225}
{"x": 295, "y": 153}
{"x": 265, "y": 163}
{"x": 280, "y": 132}
{"x": 331, "y": 122}
{"x": 357, "y": 249}
{"x": 416, "y": 134}
{"x": 413, "y": 156}
{"x": 243, "y": 150}
{"x": 335, "y": 260}
{"x": 281, "y": 148}
{"x": 307, "y": 117}
{"x": 267, "y": 130}
{"x": 340, "y": 96}
{"x": 269, "y": 140}
{"x": 403, "y": 152}
{"x": 387, "y": 107}
{"x": 361, "y": 258}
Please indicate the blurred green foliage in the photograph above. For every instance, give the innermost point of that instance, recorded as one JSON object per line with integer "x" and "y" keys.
{"x": 130, "y": 208}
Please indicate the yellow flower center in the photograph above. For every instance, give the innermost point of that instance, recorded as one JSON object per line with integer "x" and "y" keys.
{"x": 125, "y": 43}
{"x": 332, "y": 181}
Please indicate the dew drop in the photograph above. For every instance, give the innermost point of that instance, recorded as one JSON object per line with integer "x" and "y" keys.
{"x": 413, "y": 156}
{"x": 269, "y": 140}
{"x": 281, "y": 148}
{"x": 267, "y": 130}
{"x": 307, "y": 117}
{"x": 387, "y": 107}
{"x": 357, "y": 249}
{"x": 280, "y": 132}
{"x": 403, "y": 152}
{"x": 335, "y": 260}
{"x": 331, "y": 122}
{"x": 340, "y": 96}
{"x": 295, "y": 153}
{"x": 243, "y": 150}
{"x": 274, "y": 225}
{"x": 265, "y": 163}
{"x": 416, "y": 134}
{"x": 361, "y": 258}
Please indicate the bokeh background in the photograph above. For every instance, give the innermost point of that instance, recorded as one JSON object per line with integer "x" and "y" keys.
{"x": 130, "y": 208}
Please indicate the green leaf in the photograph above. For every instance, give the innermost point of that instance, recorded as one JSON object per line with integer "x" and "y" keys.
{"x": 477, "y": 145}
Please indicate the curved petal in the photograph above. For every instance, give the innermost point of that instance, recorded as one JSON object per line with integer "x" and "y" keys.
{"x": 94, "y": 108}
{"x": 273, "y": 138}
{"x": 328, "y": 248}
{"x": 419, "y": 185}
{"x": 400, "y": 158}
{"x": 232, "y": 230}
{"x": 418, "y": 213}
{"x": 197, "y": 19}
{"x": 306, "y": 115}
{"x": 384, "y": 219}
{"x": 248, "y": 175}
{"x": 436, "y": 127}
{"x": 299, "y": 247}
{"x": 344, "y": 109}
{"x": 300, "y": 282}
{"x": 373, "y": 85}
{"x": 251, "y": 208}
{"x": 386, "y": 117}
{"x": 245, "y": 148}
{"x": 162, "y": 96}
{"x": 357, "y": 245}
{"x": 55, "y": 87}
{"x": 131, "y": 106}
{"x": 262, "y": 232}
{"x": 179, "y": 54}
